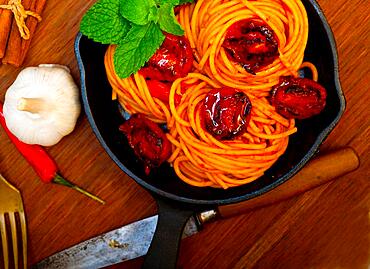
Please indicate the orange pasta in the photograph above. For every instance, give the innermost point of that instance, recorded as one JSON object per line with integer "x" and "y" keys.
{"x": 201, "y": 160}
{"x": 207, "y": 22}
{"x": 197, "y": 157}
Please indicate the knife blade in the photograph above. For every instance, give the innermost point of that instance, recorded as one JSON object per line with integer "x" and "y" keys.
{"x": 133, "y": 240}
{"x": 125, "y": 243}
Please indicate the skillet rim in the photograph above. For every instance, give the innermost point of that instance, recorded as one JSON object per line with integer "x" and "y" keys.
{"x": 311, "y": 152}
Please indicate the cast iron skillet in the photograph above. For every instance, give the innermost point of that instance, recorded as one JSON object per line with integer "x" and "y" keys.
{"x": 177, "y": 201}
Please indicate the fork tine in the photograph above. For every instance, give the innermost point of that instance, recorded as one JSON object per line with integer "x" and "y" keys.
{"x": 22, "y": 220}
{"x": 14, "y": 238}
{"x": 4, "y": 241}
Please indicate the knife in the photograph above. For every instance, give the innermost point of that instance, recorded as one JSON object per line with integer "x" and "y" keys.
{"x": 133, "y": 240}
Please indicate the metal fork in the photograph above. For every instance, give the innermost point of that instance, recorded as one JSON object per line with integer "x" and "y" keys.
{"x": 10, "y": 204}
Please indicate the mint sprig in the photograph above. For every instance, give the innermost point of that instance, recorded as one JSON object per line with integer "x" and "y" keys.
{"x": 181, "y": 2}
{"x": 167, "y": 21}
{"x": 138, "y": 46}
{"x": 172, "y": 2}
{"x": 137, "y": 11}
{"x": 103, "y": 23}
{"x": 135, "y": 26}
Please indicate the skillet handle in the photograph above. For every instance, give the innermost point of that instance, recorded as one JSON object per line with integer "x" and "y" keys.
{"x": 163, "y": 250}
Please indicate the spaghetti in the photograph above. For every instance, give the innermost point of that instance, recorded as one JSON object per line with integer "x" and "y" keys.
{"x": 201, "y": 160}
{"x": 207, "y": 22}
{"x": 197, "y": 157}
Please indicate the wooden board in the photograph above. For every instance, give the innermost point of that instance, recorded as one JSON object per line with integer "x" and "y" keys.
{"x": 325, "y": 228}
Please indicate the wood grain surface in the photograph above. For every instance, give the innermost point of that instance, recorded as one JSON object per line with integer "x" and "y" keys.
{"x": 327, "y": 227}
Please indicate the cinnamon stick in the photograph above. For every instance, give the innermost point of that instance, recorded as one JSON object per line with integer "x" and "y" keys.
{"x": 6, "y": 17}
{"x": 13, "y": 48}
{"x": 32, "y": 22}
{"x": 17, "y": 46}
{"x": 14, "y": 45}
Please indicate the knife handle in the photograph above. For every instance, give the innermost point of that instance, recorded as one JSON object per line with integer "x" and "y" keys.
{"x": 316, "y": 172}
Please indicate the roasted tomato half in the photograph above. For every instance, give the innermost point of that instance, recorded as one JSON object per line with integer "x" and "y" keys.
{"x": 298, "y": 98}
{"x": 226, "y": 113}
{"x": 148, "y": 140}
{"x": 172, "y": 60}
{"x": 252, "y": 44}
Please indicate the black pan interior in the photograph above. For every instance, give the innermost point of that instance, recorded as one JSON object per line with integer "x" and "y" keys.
{"x": 104, "y": 117}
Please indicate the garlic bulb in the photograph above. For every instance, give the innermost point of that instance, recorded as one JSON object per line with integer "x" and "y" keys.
{"x": 42, "y": 105}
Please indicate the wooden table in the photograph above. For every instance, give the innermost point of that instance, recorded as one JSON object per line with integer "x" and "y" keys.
{"x": 327, "y": 227}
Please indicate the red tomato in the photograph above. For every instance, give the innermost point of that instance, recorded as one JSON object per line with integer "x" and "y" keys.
{"x": 226, "y": 113}
{"x": 161, "y": 90}
{"x": 147, "y": 139}
{"x": 251, "y": 43}
{"x": 298, "y": 98}
{"x": 174, "y": 59}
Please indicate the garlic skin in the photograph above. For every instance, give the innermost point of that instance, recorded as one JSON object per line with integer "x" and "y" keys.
{"x": 42, "y": 105}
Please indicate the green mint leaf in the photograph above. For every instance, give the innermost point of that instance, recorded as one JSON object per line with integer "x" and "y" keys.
{"x": 167, "y": 20}
{"x": 181, "y": 2}
{"x": 103, "y": 23}
{"x": 153, "y": 14}
{"x": 172, "y": 2}
{"x": 136, "y": 49}
{"x": 137, "y": 11}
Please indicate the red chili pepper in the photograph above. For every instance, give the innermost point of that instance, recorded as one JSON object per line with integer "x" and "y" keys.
{"x": 41, "y": 162}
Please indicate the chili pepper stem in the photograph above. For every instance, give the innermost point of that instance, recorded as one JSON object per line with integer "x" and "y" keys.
{"x": 58, "y": 179}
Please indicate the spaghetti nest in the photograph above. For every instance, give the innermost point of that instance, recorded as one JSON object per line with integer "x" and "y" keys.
{"x": 207, "y": 22}
{"x": 197, "y": 157}
{"x": 201, "y": 160}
